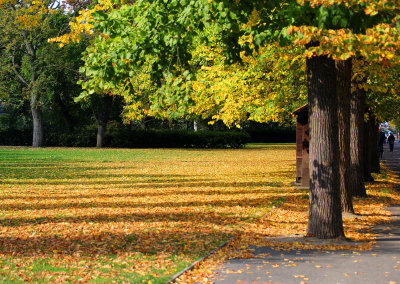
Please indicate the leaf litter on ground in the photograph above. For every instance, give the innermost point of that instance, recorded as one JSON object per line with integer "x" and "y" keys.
{"x": 80, "y": 215}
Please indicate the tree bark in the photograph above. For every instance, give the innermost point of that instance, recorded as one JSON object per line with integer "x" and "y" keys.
{"x": 357, "y": 107}
{"x": 101, "y": 130}
{"x": 102, "y": 117}
{"x": 374, "y": 151}
{"x": 368, "y": 147}
{"x": 325, "y": 212}
{"x": 37, "y": 120}
{"x": 343, "y": 75}
{"x": 36, "y": 109}
{"x": 37, "y": 140}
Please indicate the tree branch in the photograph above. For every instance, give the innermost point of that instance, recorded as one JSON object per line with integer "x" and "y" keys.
{"x": 395, "y": 22}
{"x": 17, "y": 73}
{"x": 29, "y": 47}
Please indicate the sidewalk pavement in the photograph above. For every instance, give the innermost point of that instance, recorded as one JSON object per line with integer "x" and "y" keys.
{"x": 269, "y": 265}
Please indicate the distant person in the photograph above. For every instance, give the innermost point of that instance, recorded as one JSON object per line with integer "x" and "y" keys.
{"x": 391, "y": 141}
{"x": 381, "y": 141}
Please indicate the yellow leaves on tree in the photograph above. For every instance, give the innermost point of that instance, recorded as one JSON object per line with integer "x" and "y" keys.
{"x": 28, "y": 14}
{"x": 264, "y": 87}
{"x": 377, "y": 44}
{"x": 369, "y": 7}
{"x": 81, "y": 25}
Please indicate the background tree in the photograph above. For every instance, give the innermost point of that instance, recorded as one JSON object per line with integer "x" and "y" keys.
{"x": 343, "y": 76}
{"x": 25, "y": 27}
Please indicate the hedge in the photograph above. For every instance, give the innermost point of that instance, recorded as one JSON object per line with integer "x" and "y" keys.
{"x": 272, "y": 135}
{"x": 16, "y": 137}
{"x": 128, "y": 138}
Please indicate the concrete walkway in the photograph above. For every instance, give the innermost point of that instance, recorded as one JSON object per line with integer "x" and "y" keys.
{"x": 381, "y": 265}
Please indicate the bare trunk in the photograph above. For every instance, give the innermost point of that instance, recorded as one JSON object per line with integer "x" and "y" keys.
{"x": 101, "y": 130}
{"x": 36, "y": 109}
{"x": 37, "y": 120}
{"x": 357, "y": 107}
{"x": 368, "y": 148}
{"x": 343, "y": 70}
{"x": 37, "y": 140}
{"x": 102, "y": 117}
{"x": 325, "y": 212}
{"x": 143, "y": 124}
{"x": 374, "y": 151}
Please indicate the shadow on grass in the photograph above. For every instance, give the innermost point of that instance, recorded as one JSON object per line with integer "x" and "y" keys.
{"x": 194, "y": 226}
{"x": 174, "y": 241}
{"x": 77, "y": 204}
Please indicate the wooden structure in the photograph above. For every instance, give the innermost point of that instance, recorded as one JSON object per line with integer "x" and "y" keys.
{"x": 302, "y": 147}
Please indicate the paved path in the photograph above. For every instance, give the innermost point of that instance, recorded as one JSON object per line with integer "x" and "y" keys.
{"x": 381, "y": 265}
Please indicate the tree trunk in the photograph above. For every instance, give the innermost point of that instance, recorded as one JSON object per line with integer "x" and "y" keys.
{"x": 374, "y": 152}
{"x": 37, "y": 120}
{"x": 101, "y": 130}
{"x": 368, "y": 148}
{"x": 343, "y": 75}
{"x": 357, "y": 107}
{"x": 102, "y": 119}
{"x": 325, "y": 212}
{"x": 36, "y": 109}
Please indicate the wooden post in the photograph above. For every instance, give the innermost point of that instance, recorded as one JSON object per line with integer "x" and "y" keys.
{"x": 299, "y": 151}
{"x": 302, "y": 147}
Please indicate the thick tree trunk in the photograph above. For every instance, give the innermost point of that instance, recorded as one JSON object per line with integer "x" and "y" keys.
{"x": 325, "y": 212}
{"x": 101, "y": 130}
{"x": 37, "y": 120}
{"x": 36, "y": 109}
{"x": 343, "y": 75}
{"x": 102, "y": 119}
{"x": 357, "y": 107}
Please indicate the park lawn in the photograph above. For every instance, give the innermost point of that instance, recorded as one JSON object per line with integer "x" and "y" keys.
{"x": 129, "y": 215}
{"x": 142, "y": 215}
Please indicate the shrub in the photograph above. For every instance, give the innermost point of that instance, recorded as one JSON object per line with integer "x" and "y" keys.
{"x": 16, "y": 137}
{"x": 138, "y": 138}
{"x": 131, "y": 138}
{"x": 272, "y": 135}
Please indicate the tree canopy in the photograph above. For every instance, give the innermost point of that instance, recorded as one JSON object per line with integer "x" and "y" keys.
{"x": 149, "y": 51}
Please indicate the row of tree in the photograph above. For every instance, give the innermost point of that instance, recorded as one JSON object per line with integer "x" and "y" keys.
{"x": 238, "y": 60}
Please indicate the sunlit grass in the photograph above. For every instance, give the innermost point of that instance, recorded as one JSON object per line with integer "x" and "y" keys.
{"x": 129, "y": 215}
{"x": 142, "y": 215}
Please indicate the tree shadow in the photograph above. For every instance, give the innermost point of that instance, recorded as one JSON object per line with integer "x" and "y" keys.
{"x": 195, "y": 224}
{"x": 77, "y": 204}
{"x": 146, "y": 242}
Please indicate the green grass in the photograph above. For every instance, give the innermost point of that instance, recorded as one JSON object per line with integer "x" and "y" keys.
{"x": 101, "y": 215}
